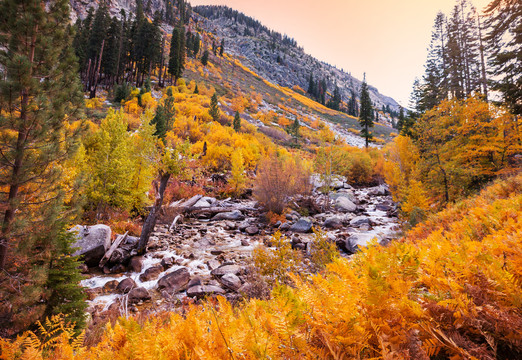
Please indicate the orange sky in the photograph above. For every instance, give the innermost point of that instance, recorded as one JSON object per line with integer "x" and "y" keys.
{"x": 387, "y": 39}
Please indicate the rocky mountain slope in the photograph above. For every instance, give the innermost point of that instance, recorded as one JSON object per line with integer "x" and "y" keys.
{"x": 278, "y": 58}
{"x": 272, "y": 56}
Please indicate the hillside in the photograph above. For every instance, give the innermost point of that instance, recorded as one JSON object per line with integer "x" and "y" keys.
{"x": 449, "y": 289}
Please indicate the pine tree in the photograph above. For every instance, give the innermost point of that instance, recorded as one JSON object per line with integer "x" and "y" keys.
{"x": 204, "y": 58}
{"x": 335, "y": 101}
{"x": 66, "y": 296}
{"x": 214, "y": 108}
{"x": 40, "y": 95}
{"x": 196, "y": 89}
{"x": 177, "y": 52}
{"x": 366, "y": 113}
{"x": 295, "y": 128}
{"x": 159, "y": 121}
{"x": 222, "y": 47}
{"x": 237, "y": 122}
{"x": 504, "y": 40}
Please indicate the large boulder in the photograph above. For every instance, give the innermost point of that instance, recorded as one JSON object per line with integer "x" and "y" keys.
{"x": 92, "y": 242}
{"x": 333, "y": 222}
{"x": 125, "y": 286}
{"x": 174, "y": 281}
{"x": 226, "y": 269}
{"x": 232, "y": 215}
{"x": 344, "y": 204}
{"x": 151, "y": 273}
{"x": 358, "y": 221}
{"x": 200, "y": 291}
{"x": 380, "y": 190}
{"x": 301, "y": 226}
{"x": 231, "y": 281}
{"x": 348, "y": 245}
{"x": 138, "y": 295}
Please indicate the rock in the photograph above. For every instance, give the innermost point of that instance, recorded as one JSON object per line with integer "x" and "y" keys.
{"x": 136, "y": 264}
{"x": 201, "y": 291}
{"x": 226, "y": 269}
{"x": 138, "y": 294}
{"x": 132, "y": 240}
{"x": 243, "y": 226}
{"x": 380, "y": 190}
{"x": 230, "y": 225}
{"x": 151, "y": 273}
{"x": 213, "y": 264}
{"x": 232, "y": 215}
{"x": 252, "y": 230}
{"x": 344, "y": 204}
{"x": 284, "y": 226}
{"x": 383, "y": 207}
{"x": 93, "y": 293}
{"x": 333, "y": 222}
{"x": 174, "y": 281}
{"x": 348, "y": 245}
{"x": 231, "y": 281}
{"x": 167, "y": 262}
{"x": 365, "y": 227}
{"x": 302, "y": 226}
{"x": 216, "y": 252}
{"x": 125, "y": 286}
{"x": 92, "y": 241}
{"x": 195, "y": 281}
{"x": 205, "y": 202}
{"x": 359, "y": 220}
{"x": 117, "y": 269}
{"x": 244, "y": 242}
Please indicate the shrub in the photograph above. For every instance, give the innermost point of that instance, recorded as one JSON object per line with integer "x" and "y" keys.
{"x": 277, "y": 263}
{"x": 278, "y": 179}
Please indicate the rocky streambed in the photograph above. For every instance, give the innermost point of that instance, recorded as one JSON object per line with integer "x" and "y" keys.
{"x": 202, "y": 255}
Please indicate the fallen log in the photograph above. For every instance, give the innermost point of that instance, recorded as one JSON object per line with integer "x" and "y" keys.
{"x": 173, "y": 225}
{"x": 114, "y": 246}
{"x": 210, "y": 210}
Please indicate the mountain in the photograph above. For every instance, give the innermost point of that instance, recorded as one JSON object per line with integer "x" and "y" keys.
{"x": 277, "y": 57}
{"x": 274, "y": 57}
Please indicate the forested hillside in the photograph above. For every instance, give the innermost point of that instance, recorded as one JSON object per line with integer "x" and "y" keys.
{"x": 187, "y": 183}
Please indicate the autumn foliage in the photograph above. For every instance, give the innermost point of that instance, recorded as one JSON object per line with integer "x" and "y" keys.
{"x": 449, "y": 289}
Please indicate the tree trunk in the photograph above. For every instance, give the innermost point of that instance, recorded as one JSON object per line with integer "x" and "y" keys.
{"x": 150, "y": 222}
{"x": 97, "y": 73}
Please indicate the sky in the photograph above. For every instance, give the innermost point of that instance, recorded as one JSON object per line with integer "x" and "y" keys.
{"x": 386, "y": 39}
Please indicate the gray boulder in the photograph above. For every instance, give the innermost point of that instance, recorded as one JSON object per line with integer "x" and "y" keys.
{"x": 333, "y": 222}
{"x": 92, "y": 241}
{"x": 226, "y": 269}
{"x": 232, "y": 216}
{"x": 344, "y": 204}
{"x": 174, "y": 281}
{"x": 348, "y": 245}
{"x": 301, "y": 226}
{"x": 231, "y": 281}
{"x": 359, "y": 220}
{"x": 200, "y": 291}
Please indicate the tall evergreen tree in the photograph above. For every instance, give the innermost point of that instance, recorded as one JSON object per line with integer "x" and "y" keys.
{"x": 204, "y": 58}
{"x": 237, "y": 122}
{"x": 366, "y": 113}
{"x": 335, "y": 101}
{"x": 504, "y": 39}
{"x": 214, "y": 108}
{"x": 222, "y": 47}
{"x": 177, "y": 52}
{"x": 39, "y": 95}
